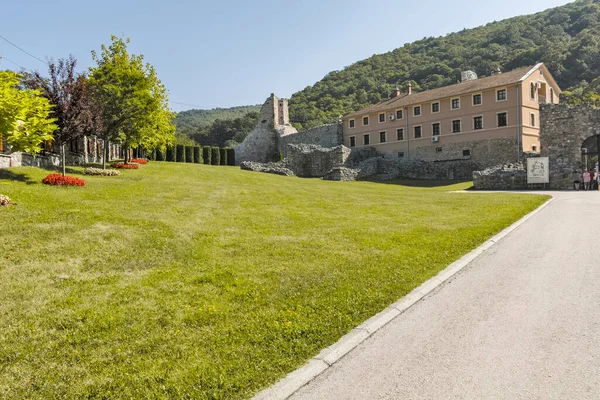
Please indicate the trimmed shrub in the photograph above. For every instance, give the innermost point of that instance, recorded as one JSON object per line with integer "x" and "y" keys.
{"x": 142, "y": 161}
{"x": 4, "y": 200}
{"x": 206, "y": 153}
{"x": 197, "y": 158}
{"x": 223, "y": 155}
{"x": 170, "y": 153}
{"x": 101, "y": 172}
{"x": 160, "y": 156}
{"x": 189, "y": 154}
{"x": 59, "y": 180}
{"x": 230, "y": 156}
{"x": 125, "y": 166}
{"x": 180, "y": 153}
{"x": 215, "y": 156}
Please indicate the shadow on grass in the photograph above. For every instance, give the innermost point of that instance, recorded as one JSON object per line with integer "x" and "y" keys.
{"x": 6, "y": 173}
{"x": 422, "y": 183}
{"x": 68, "y": 170}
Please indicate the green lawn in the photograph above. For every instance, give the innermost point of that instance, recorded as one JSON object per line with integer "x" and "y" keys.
{"x": 193, "y": 281}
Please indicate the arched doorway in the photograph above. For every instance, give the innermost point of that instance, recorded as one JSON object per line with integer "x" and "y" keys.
{"x": 590, "y": 153}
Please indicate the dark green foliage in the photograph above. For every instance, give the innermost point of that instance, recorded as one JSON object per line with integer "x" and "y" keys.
{"x": 189, "y": 154}
{"x": 180, "y": 153}
{"x": 197, "y": 158}
{"x": 215, "y": 156}
{"x": 223, "y": 155}
{"x": 230, "y": 156}
{"x": 206, "y": 153}
{"x": 226, "y": 132}
{"x": 566, "y": 39}
{"x": 188, "y": 122}
{"x": 171, "y": 153}
{"x": 159, "y": 155}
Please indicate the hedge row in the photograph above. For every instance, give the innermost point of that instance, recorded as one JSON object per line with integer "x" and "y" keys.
{"x": 195, "y": 154}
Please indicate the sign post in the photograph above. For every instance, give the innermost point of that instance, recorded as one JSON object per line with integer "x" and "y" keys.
{"x": 538, "y": 170}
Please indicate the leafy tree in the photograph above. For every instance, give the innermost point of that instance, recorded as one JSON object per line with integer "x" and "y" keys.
{"x": 134, "y": 102}
{"x": 69, "y": 94}
{"x": 25, "y": 116}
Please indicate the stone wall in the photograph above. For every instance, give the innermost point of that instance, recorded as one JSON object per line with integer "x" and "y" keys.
{"x": 91, "y": 153}
{"x": 482, "y": 154}
{"x": 325, "y": 136}
{"x": 381, "y": 168}
{"x": 312, "y": 161}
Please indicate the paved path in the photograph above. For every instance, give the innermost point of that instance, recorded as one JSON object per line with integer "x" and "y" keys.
{"x": 521, "y": 322}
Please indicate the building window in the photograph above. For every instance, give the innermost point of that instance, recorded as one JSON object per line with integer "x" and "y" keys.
{"x": 438, "y": 149}
{"x": 551, "y": 96}
{"x": 455, "y": 104}
{"x": 501, "y": 95}
{"x": 532, "y": 91}
{"x": 400, "y": 154}
{"x": 400, "y": 134}
{"x": 532, "y": 119}
{"x": 533, "y": 147}
{"x": 382, "y": 117}
{"x": 399, "y": 114}
{"x": 477, "y": 99}
{"x": 456, "y": 126}
{"x": 351, "y": 123}
{"x": 466, "y": 153}
{"x": 417, "y": 111}
{"x": 352, "y": 141}
{"x": 382, "y": 137}
{"x": 478, "y": 123}
{"x": 502, "y": 119}
{"x": 435, "y": 129}
{"x": 366, "y": 139}
{"x": 365, "y": 121}
{"x": 435, "y": 107}
{"x": 418, "y": 132}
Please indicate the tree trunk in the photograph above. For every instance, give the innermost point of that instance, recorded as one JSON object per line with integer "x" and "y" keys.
{"x": 63, "y": 158}
{"x": 105, "y": 151}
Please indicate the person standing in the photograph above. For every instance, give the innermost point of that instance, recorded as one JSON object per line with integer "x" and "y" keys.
{"x": 586, "y": 180}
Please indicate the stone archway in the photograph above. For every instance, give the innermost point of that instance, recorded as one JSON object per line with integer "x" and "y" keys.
{"x": 590, "y": 153}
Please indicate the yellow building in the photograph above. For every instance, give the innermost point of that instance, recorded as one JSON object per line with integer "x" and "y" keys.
{"x": 503, "y": 105}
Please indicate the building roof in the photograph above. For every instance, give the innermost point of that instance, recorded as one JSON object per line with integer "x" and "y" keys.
{"x": 504, "y": 79}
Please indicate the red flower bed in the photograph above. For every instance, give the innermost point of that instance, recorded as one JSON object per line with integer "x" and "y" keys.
{"x": 59, "y": 180}
{"x": 139, "y": 161}
{"x": 125, "y": 166}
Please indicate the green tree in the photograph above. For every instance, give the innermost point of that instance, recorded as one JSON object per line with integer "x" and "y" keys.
{"x": 25, "y": 120}
{"x": 72, "y": 103}
{"x": 134, "y": 103}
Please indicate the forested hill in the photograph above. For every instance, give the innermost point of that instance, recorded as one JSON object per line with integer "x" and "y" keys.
{"x": 188, "y": 122}
{"x": 566, "y": 39}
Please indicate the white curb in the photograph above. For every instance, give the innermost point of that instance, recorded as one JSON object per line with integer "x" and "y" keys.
{"x": 329, "y": 356}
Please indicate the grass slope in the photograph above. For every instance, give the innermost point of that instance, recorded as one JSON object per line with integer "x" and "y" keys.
{"x": 192, "y": 281}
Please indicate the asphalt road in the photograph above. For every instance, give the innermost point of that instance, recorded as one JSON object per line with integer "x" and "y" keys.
{"x": 521, "y": 322}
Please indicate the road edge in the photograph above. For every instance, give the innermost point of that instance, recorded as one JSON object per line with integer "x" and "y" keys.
{"x": 297, "y": 379}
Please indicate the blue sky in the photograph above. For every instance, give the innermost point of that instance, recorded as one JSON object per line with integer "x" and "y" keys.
{"x": 227, "y": 53}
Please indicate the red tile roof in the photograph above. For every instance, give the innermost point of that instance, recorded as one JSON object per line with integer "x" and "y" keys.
{"x": 505, "y": 79}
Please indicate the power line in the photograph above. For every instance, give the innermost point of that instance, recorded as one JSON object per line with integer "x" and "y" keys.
{"x": 40, "y": 60}
{"x": 12, "y": 62}
{"x": 24, "y": 51}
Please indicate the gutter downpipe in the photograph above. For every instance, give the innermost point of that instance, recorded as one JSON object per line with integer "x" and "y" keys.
{"x": 519, "y": 146}
{"x": 407, "y": 134}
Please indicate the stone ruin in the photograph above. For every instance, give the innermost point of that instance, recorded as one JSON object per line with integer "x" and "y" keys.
{"x": 563, "y": 131}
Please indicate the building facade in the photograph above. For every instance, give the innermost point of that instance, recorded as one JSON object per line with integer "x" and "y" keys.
{"x": 444, "y": 123}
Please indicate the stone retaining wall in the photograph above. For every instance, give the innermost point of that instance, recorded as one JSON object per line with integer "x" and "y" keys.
{"x": 325, "y": 136}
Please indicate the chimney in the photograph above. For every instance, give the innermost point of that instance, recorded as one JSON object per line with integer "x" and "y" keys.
{"x": 409, "y": 88}
{"x": 466, "y": 76}
{"x": 395, "y": 93}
